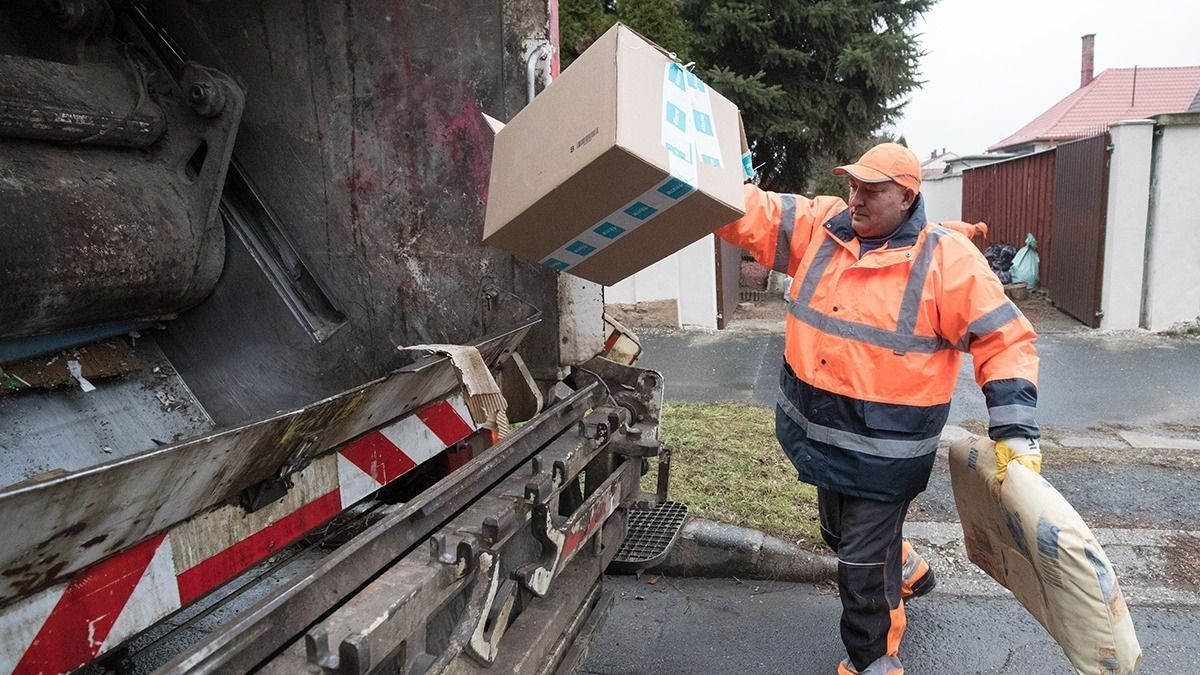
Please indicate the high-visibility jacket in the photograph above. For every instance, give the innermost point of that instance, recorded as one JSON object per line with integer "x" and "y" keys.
{"x": 873, "y": 345}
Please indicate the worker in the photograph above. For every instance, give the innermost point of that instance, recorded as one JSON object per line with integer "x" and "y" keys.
{"x": 881, "y": 306}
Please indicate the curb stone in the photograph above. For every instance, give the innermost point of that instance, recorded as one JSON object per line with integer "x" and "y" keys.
{"x": 708, "y": 549}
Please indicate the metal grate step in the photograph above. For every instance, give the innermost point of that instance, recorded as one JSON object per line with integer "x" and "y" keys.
{"x": 652, "y": 531}
{"x": 752, "y": 296}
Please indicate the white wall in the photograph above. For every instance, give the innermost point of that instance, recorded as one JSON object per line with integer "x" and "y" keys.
{"x": 1172, "y": 286}
{"x": 1125, "y": 236}
{"x": 698, "y": 284}
{"x": 943, "y": 198}
{"x": 688, "y": 277}
{"x": 659, "y": 281}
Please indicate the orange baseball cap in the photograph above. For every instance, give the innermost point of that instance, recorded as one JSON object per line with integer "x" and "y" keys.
{"x": 884, "y": 162}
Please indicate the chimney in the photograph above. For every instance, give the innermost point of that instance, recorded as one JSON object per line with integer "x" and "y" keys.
{"x": 1087, "y": 64}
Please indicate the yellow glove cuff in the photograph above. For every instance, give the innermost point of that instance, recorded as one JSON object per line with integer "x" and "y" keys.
{"x": 1026, "y": 451}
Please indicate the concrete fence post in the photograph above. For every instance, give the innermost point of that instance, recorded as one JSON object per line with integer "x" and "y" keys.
{"x": 1171, "y": 294}
{"x": 1125, "y": 237}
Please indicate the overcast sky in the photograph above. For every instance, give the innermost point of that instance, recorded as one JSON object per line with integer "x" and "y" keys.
{"x": 994, "y": 65}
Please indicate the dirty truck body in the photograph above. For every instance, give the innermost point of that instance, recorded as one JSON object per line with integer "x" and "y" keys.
{"x": 221, "y": 220}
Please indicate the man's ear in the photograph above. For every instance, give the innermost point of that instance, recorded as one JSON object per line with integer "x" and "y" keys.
{"x": 909, "y": 197}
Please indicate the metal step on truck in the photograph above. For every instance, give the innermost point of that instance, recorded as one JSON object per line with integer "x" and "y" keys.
{"x": 267, "y": 403}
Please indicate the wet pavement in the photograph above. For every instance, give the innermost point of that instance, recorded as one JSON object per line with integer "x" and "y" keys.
{"x": 1141, "y": 501}
{"x": 1086, "y": 379}
{"x": 1118, "y": 495}
{"x": 716, "y": 626}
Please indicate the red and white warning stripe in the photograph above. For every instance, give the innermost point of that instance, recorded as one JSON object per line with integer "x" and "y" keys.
{"x": 66, "y": 626}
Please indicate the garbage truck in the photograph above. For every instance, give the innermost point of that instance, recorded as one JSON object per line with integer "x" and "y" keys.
{"x": 267, "y": 402}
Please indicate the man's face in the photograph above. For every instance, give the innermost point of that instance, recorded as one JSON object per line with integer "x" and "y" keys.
{"x": 877, "y": 209}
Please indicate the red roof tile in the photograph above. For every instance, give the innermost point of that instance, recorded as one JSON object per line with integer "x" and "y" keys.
{"x": 1111, "y": 98}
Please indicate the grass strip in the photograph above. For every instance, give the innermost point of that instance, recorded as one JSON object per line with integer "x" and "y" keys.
{"x": 727, "y": 466}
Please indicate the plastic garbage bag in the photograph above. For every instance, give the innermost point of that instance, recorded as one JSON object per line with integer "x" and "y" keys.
{"x": 1025, "y": 264}
{"x": 1000, "y": 257}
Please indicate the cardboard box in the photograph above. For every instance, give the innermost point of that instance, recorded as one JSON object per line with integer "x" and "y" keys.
{"x": 623, "y": 160}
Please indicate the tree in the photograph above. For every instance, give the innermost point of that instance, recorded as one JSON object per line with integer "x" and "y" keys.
{"x": 814, "y": 78}
{"x": 582, "y": 21}
{"x": 817, "y": 80}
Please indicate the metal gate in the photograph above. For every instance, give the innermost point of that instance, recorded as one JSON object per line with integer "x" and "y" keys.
{"x": 1077, "y": 227}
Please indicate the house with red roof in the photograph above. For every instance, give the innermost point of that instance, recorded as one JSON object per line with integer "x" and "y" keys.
{"x": 1114, "y": 95}
{"x": 1105, "y": 180}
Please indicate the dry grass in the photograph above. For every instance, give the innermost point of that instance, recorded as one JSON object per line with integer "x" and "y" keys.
{"x": 728, "y": 467}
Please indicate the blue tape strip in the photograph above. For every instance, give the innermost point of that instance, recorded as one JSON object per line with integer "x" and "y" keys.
{"x": 581, "y": 249}
{"x": 641, "y": 210}
{"x": 632, "y": 215}
{"x": 685, "y": 98}
{"x": 677, "y": 76}
{"x": 676, "y": 117}
{"x": 675, "y": 188}
{"x": 609, "y": 231}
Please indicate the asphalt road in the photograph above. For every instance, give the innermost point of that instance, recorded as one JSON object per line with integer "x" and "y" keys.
{"x": 969, "y": 624}
{"x": 1086, "y": 379}
{"x": 716, "y": 626}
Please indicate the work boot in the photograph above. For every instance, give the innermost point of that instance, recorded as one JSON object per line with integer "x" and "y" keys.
{"x": 917, "y": 574}
{"x": 884, "y": 665}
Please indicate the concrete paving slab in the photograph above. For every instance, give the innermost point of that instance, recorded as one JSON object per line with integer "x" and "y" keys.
{"x": 1103, "y": 442}
{"x": 1145, "y": 562}
{"x": 943, "y": 533}
{"x": 1144, "y": 441}
{"x": 1106, "y": 495}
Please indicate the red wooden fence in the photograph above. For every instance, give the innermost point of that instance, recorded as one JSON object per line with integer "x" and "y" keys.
{"x": 1014, "y": 197}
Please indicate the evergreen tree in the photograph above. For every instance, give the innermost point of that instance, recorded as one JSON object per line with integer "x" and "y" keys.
{"x": 582, "y": 21}
{"x": 815, "y": 79}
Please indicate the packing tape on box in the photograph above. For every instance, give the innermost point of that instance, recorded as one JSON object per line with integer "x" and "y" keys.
{"x": 688, "y": 133}
{"x": 690, "y": 137}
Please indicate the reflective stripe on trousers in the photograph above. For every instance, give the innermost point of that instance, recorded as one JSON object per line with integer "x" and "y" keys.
{"x": 884, "y": 665}
{"x": 847, "y": 440}
{"x": 866, "y": 536}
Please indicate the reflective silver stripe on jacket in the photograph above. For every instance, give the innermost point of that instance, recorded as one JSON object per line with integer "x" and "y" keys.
{"x": 847, "y": 440}
{"x": 906, "y": 322}
{"x": 902, "y": 340}
{"x": 783, "y": 236}
{"x": 1002, "y": 415}
{"x": 988, "y": 323}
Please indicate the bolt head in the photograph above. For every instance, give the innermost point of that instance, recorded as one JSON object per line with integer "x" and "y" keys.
{"x": 199, "y": 92}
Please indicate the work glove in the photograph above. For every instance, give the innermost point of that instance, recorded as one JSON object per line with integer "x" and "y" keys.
{"x": 1026, "y": 451}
